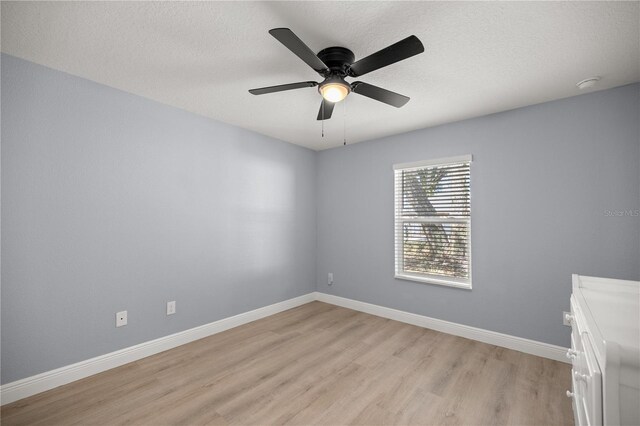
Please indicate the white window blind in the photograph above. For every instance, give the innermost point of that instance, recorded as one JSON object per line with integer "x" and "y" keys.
{"x": 433, "y": 221}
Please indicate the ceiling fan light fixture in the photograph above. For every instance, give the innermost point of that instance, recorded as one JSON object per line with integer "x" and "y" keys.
{"x": 334, "y": 89}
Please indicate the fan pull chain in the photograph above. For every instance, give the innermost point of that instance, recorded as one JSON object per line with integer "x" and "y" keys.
{"x": 344, "y": 124}
{"x": 322, "y": 125}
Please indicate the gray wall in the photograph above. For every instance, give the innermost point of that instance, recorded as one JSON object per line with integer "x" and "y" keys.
{"x": 542, "y": 179}
{"x": 113, "y": 202}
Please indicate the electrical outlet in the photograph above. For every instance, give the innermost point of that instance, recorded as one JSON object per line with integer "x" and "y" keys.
{"x": 566, "y": 318}
{"x": 121, "y": 318}
{"x": 171, "y": 307}
{"x": 330, "y": 278}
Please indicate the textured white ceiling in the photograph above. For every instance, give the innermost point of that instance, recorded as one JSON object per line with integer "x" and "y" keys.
{"x": 480, "y": 58}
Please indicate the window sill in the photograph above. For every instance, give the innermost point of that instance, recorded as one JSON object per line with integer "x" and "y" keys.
{"x": 430, "y": 280}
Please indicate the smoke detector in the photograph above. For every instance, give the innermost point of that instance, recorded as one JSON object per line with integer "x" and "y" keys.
{"x": 587, "y": 83}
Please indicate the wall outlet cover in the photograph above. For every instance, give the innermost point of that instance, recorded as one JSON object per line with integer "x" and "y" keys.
{"x": 121, "y": 318}
{"x": 171, "y": 307}
{"x": 330, "y": 278}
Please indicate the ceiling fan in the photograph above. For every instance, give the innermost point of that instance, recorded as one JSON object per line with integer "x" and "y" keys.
{"x": 334, "y": 64}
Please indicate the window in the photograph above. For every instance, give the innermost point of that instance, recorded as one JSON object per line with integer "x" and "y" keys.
{"x": 433, "y": 221}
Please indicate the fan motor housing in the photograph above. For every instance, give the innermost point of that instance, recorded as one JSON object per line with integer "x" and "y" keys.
{"x": 338, "y": 59}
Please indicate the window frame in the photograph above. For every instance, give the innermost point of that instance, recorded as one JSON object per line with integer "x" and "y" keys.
{"x": 399, "y": 220}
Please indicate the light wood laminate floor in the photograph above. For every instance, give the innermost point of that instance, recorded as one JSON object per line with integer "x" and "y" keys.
{"x": 315, "y": 364}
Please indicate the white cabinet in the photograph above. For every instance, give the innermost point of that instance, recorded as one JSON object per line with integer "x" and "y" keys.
{"x": 605, "y": 351}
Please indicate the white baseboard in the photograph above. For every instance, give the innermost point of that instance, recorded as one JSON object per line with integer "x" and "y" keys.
{"x": 532, "y": 347}
{"x": 51, "y": 379}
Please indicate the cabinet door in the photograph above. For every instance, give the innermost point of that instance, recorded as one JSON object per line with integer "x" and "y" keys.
{"x": 586, "y": 376}
{"x": 577, "y": 401}
{"x": 592, "y": 382}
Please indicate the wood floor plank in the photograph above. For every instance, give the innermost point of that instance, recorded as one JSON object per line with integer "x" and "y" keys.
{"x": 315, "y": 364}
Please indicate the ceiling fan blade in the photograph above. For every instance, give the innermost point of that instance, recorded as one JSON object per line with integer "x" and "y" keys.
{"x": 379, "y": 94}
{"x": 403, "y": 49}
{"x": 280, "y": 88}
{"x": 297, "y": 46}
{"x": 328, "y": 110}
